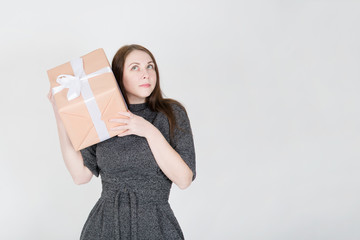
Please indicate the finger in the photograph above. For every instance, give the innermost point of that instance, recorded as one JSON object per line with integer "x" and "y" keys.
{"x": 131, "y": 114}
{"x": 126, "y": 133}
{"x": 50, "y": 95}
{"x": 119, "y": 120}
{"x": 124, "y": 127}
{"x": 128, "y": 114}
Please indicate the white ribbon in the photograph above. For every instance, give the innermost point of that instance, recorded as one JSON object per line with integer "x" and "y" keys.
{"x": 79, "y": 84}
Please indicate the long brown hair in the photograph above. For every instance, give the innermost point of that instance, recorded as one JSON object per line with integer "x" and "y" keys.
{"x": 155, "y": 101}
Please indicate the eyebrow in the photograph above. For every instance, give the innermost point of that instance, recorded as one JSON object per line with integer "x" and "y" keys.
{"x": 138, "y": 63}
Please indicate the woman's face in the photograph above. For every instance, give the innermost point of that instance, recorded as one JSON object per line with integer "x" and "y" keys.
{"x": 139, "y": 76}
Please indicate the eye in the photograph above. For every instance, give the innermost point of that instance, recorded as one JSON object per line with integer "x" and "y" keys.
{"x": 133, "y": 68}
{"x": 151, "y": 66}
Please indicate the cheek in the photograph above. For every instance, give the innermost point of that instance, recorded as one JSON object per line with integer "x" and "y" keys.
{"x": 153, "y": 81}
{"x": 125, "y": 81}
{"x": 153, "y": 76}
{"x": 128, "y": 79}
{"x": 127, "y": 84}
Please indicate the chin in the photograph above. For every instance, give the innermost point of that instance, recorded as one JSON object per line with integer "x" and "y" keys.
{"x": 143, "y": 94}
{"x": 146, "y": 93}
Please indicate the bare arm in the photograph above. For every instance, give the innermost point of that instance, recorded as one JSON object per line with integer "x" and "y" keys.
{"x": 73, "y": 159}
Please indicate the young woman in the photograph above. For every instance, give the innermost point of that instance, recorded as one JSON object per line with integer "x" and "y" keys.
{"x": 137, "y": 167}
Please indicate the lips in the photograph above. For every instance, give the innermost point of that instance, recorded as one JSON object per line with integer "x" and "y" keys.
{"x": 145, "y": 85}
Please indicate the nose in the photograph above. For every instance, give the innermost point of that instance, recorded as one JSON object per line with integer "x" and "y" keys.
{"x": 145, "y": 74}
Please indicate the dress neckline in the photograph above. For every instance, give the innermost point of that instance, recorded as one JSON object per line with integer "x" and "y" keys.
{"x": 137, "y": 107}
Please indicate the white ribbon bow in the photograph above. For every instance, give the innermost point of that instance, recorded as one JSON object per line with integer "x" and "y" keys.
{"x": 74, "y": 83}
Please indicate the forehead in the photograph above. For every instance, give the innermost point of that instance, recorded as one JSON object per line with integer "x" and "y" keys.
{"x": 138, "y": 56}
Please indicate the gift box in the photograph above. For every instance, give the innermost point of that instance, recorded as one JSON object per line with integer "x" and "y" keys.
{"x": 87, "y": 96}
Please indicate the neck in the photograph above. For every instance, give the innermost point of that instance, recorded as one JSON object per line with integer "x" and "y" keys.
{"x": 137, "y": 101}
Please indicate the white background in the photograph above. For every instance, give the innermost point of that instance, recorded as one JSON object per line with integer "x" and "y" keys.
{"x": 272, "y": 93}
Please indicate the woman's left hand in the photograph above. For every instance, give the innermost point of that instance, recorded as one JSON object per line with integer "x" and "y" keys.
{"x": 133, "y": 124}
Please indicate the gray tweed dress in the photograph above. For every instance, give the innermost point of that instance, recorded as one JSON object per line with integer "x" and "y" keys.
{"x": 135, "y": 192}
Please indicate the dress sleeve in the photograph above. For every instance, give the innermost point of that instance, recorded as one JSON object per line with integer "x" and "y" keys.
{"x": 90, "y": 160}
{"x": 183, "y": 142}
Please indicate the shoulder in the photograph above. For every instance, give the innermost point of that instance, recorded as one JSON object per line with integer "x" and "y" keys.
{"x": 179, "y": 110}
{"x": 181, "y": 117}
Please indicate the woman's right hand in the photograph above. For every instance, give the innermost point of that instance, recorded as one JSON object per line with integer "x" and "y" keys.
{"x": 50, "y": 96}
